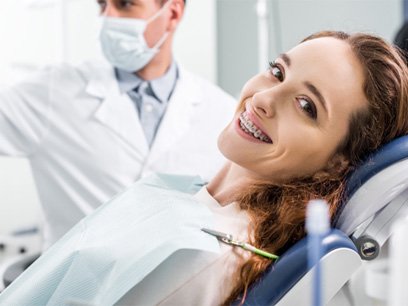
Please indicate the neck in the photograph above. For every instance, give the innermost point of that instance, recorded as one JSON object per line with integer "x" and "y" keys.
{"x": 228, "y": 182}
{"x": 159, "y": 65}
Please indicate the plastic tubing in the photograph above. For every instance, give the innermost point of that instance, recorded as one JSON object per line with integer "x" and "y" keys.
{"x": 317, "y": 226}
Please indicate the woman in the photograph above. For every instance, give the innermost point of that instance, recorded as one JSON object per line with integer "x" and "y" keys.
{"x": 300, "y": 128}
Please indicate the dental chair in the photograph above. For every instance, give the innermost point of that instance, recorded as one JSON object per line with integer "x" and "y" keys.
{"x": 18, "y": 250}
{"x": 378, "y": 195}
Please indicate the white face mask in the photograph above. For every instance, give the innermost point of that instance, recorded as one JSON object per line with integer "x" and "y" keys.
{"x": 123, "y": 42}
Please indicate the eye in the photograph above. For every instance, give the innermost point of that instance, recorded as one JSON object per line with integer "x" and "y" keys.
{"x": 308, "y": 107}
{"x": 102, "y": 5}
{"x": 125, "y": 3}
{"x": 276, "y": 70}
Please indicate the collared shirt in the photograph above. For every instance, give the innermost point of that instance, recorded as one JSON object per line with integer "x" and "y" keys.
{"x": 150, "y": 97}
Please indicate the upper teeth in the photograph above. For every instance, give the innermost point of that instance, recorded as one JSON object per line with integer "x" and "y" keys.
{"x": 248, "y": 126}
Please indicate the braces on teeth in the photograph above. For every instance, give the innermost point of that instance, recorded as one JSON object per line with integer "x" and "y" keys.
{"x": 250, "y": 128}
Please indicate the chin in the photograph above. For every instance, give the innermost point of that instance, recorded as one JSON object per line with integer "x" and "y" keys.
{"x": 221, "y": 142}
{"x": 229, "y": 148}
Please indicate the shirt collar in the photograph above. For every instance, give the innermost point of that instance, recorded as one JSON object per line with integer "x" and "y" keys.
{"x": 127, "y": 80}
{"x": 162, "y": 87}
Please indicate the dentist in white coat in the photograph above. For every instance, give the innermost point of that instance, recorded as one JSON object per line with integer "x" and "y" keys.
{"x": 91, "y": 131}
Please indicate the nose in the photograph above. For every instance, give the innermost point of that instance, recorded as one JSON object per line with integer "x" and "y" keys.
{"x": 265, "y": 103}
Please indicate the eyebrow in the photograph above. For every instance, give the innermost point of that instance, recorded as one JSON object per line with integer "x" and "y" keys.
{"x": 309, "y": 85}
{"x": 317, "y": 93}
{"x": 285, "y": 58}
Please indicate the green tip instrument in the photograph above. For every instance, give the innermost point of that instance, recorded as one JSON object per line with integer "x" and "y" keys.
{"x": 229, "y": 239}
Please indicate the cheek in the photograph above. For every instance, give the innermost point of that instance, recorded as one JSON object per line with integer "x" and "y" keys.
{"x": 307, "y": 151}
{"x": 154, "y": 31}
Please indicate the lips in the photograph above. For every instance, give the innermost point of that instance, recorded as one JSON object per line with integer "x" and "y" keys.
{"x": 251, "y": 129}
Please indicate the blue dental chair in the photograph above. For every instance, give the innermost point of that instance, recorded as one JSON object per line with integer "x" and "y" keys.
{"x": 378, "y": 195}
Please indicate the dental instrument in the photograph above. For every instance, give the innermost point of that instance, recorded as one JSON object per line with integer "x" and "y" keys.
{"x": 229, "y": 239}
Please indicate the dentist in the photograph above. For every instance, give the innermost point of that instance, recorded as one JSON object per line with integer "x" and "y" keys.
{"x": 90, "y": 131}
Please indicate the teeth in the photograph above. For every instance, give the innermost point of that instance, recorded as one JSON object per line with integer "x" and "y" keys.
{"x": 248, "y": 127}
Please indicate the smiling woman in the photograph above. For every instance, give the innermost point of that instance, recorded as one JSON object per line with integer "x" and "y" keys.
{"x": 325, "y": 105}
{"x": 300, "y": 128}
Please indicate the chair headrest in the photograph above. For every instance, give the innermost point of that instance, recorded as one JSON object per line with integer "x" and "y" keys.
{"x": 390, "y": 154}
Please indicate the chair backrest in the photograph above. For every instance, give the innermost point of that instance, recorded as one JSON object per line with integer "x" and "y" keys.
{"x": 376, "y": 194}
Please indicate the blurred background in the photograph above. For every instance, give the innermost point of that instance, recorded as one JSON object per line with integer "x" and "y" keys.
{"x": 225, "y": 41}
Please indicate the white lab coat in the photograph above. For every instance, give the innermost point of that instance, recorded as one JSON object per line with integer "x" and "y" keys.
{"x": 85, "y": 143}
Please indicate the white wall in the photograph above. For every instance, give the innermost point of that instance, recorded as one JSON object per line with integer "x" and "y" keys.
{"x": 35, "y": 33}
{"x": 195, "y": 43}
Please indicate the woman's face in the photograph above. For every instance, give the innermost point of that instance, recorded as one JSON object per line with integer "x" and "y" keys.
{"x": 294, "y": 116}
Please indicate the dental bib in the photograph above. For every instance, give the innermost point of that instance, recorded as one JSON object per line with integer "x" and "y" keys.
{"x": 115, "y": 248}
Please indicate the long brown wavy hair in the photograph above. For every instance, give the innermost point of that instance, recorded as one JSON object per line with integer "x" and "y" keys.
{"x": 277, "y": 212}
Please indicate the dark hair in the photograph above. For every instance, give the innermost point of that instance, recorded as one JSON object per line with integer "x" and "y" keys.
{"x": 277, "y": 211}
{"x": 401, "y": 40}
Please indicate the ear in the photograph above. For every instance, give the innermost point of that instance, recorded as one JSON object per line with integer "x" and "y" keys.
{"x": 176, "y": 13}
